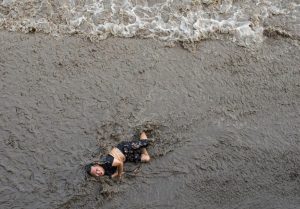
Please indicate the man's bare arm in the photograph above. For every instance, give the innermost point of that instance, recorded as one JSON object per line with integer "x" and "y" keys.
{"x": 120, "y": 170}
{"x": 120, "y": 166}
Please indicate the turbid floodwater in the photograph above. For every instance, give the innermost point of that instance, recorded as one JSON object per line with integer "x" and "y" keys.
{"x": 225, "y": 118}
{"x": 215, "y": 83}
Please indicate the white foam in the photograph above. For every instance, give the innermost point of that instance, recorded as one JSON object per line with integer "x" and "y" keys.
{"x": 169, "y": 20}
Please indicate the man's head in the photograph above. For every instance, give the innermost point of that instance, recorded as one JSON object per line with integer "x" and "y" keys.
{"x": 94, "y": 169}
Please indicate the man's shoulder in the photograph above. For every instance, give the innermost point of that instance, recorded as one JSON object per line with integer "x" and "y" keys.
{"x": 106, "y": 159}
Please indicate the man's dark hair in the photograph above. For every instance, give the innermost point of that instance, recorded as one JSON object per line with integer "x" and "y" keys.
{"x": 88, "y": 168}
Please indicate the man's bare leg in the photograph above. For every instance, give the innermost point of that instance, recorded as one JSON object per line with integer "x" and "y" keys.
{"x": 145, "y": 157}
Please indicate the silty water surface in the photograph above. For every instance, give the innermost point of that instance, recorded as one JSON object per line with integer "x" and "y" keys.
{"x": 226, "y": 118}
{"x": 226, "y": 122}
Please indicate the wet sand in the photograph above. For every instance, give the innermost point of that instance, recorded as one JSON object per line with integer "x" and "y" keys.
{"x": 226, "y": 121}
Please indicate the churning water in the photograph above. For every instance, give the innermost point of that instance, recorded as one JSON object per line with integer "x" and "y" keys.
{"x": 242, "y": 21}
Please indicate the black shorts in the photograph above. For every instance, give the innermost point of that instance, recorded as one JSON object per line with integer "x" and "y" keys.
{"x": 132, "y": 149}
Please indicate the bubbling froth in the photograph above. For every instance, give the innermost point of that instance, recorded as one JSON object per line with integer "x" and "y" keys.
{"x": 171, "y": 20}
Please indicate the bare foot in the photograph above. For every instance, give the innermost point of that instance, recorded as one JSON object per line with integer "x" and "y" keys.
{"x": 143, "y": 136}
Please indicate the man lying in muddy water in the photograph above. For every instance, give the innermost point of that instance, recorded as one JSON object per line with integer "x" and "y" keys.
{"x": 112, "y": 164}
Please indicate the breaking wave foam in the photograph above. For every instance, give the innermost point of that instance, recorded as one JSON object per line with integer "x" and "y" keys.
{"x": 169, "y": 20}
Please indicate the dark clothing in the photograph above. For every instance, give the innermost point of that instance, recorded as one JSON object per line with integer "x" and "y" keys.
{"x": 106, "y": 162}
{"x": 132, "y": 149}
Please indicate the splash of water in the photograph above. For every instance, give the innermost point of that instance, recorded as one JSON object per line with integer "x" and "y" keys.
{"x": 169, "y": 20}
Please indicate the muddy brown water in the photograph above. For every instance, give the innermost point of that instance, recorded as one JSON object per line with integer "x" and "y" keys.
{"x": 226, "y": 122}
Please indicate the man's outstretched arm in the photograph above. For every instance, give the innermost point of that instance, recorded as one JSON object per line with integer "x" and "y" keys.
{"x": 120, "y": 167}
